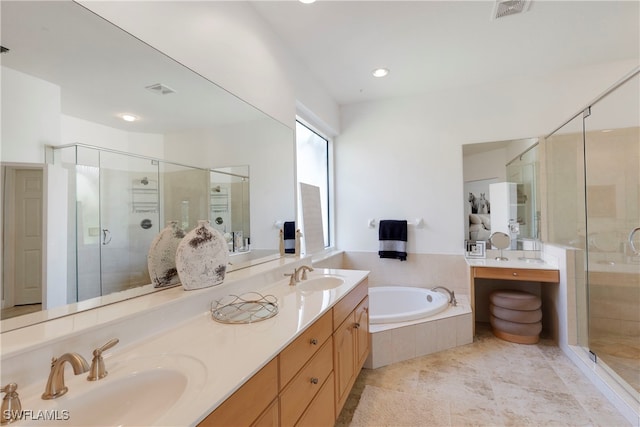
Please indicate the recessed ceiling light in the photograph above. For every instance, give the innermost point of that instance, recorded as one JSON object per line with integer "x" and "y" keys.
{"x": 129, "y": 117}
{"x": 307, "y": 1}
{"x": 380, "y": 72}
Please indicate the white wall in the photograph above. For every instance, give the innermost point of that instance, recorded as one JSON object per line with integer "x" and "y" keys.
{"x": 33, "y": 119}
{"x": 81, "y": 131}
{"x": 231, "y": 45}
{"x": 268, "y": 150}
{"x": 402, "y": 157}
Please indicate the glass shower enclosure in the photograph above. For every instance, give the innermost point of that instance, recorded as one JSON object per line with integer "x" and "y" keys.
{"x": 593, "y": 182}
{"x": 118, "y": 203}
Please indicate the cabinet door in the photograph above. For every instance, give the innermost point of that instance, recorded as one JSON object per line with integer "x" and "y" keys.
{"x": 344, "y": 359}
{"x": 270, "y": 417}
{"x": 362, "y": 332}
{"x": 321, "y": 412}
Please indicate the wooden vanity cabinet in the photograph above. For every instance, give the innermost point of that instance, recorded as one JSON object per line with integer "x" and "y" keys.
{"x": 351, "y": 341}
{"x": 305, "y": 366}
{"x": 308, "y": 383}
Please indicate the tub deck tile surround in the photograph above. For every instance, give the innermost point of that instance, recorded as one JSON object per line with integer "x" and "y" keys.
{"x": 393, "y": 343}
{"x": 488, "y": 382}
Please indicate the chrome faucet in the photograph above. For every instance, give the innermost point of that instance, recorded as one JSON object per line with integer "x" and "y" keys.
{"x": 55, "y": 384}
{"x": 11, "y": 407}
{"x": 98, "y": 370}
{"x": 295, "y": 276}
{"x": 452, "y": 295}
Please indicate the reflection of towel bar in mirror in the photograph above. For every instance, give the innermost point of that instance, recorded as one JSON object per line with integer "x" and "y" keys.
{"x": 418, "y": 223}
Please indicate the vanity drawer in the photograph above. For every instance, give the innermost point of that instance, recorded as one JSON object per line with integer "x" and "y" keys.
{"x": 304, "y": 387}
{"x": 345, "y": 306}
{"x": 321, "y": 410}
{"x": 302, "y": 349}
{"x": 524, "y": 274}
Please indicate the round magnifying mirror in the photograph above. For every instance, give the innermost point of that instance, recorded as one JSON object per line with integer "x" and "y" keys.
{"x": 501, "y": 241}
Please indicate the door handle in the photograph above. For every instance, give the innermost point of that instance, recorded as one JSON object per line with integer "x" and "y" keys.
{"x": 106, "y": 236}
{"x": 631, "y": 244}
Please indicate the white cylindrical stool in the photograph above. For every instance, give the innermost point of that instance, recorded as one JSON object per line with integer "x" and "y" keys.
{"x": 515, "y": 316}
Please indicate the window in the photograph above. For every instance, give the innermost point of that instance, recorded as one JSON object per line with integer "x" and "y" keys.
{"x": 312, "y": 151}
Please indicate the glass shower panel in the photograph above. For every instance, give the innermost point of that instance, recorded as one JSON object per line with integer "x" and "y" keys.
{"x": 524, "y": 172}
{"x": 129, "y": 219}
{"x": 565, "y": 209}
{"x": 229, "y": 205}
{"x": 183, "y": 195}
{"x": 87, "y": 209}
{"x": 612, "y": 159}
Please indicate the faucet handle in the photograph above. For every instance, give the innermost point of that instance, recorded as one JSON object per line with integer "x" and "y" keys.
{"x": 98, "y": 370}
{"x": 292, "y": 278}
{"x": 11, "y": 406}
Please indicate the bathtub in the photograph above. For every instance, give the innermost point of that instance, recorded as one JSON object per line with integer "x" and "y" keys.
{"x": 392, "y": 304}
{"x": 404, "y": 324}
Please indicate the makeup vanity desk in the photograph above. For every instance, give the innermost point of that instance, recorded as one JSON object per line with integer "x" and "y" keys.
{"x": 512, "y": 270}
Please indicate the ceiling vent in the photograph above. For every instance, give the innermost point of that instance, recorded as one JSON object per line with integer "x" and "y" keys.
{"x": 504, "y": 8}
{"x": 160, "y": 89}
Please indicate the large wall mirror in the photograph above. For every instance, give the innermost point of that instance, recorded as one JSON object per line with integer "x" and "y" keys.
{"x": 512, "y": 169}
{"x": 69, "y": 77}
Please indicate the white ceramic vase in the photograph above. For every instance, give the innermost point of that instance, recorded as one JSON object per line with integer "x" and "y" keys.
{"x": 161, "y": 259}
{"x": 202, "y": 257}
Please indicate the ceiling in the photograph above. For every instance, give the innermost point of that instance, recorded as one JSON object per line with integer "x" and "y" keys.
{"x": 427, "y": 45}
{"x": 432, "y": 45}
{"x": 103, "y": 72}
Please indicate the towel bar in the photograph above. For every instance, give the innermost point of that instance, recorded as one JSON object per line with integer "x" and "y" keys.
{"x": 418, "y": 223}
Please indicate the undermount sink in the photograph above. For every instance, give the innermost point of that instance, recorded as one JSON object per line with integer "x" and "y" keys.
{"x": 138, "y": 391}
{"x": 531, "y": 260}
{"x": 320, "y": 283}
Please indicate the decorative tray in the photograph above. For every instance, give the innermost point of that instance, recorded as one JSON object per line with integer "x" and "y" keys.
{"x": 246, "y": 308}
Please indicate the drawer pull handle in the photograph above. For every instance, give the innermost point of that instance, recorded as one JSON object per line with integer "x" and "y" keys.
{"x": 356, "y": 325}
{"x": 314, "y": 380}
{"x": 515, "y": 274}
{"x": 313, "y": 341}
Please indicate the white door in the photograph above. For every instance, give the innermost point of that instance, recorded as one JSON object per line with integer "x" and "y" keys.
{"x": 28, "y": 236}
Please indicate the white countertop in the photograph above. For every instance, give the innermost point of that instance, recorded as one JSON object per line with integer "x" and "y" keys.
{"x": 227, "y": 355}
{"x": 512, "y": 262}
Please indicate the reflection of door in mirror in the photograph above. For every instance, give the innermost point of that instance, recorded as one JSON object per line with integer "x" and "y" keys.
{"x": 23, "y": 202}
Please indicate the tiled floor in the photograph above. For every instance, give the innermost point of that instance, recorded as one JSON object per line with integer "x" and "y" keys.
{"x": 622, "y": 354}
{"x": 19, "y": 310}
{"x": 487, "y": 383}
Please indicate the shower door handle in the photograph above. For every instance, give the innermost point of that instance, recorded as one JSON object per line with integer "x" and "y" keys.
{"x": 631, "y": 244}
{"x": 106, "y": 236}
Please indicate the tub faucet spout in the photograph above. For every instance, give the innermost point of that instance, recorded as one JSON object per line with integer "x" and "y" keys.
{"x": 452, "y": 295}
